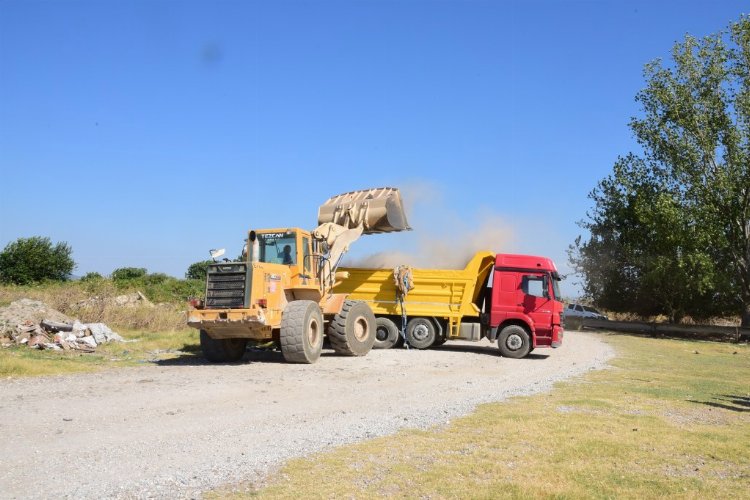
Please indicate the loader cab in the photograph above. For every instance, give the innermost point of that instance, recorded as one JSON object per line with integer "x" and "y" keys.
{"x": 291, "y": 247}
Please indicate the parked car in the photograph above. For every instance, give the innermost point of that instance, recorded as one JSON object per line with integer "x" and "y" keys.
{"x": 581, "y": 311}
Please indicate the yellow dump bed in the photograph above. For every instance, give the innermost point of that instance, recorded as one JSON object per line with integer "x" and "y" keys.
{"x": 442, "y": 293}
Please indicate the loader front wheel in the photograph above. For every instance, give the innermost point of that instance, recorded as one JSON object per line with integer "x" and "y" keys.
{"x": 222, "y": 350}
{"x": 386, "y": 333}
{"x": 301, "y": 334}
{"x": 514, "y": 342}
{"x": 352, "y": 331}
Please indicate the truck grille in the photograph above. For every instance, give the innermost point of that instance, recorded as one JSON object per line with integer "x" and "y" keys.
{"x": 226, "y": 285}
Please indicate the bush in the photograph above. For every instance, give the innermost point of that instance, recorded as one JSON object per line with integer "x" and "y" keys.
{"x": 35, "y": 259}
{"x": 128, "y": 273}
{"x": 198, "y": 270}
{"x": 156, "y": 278}
{"x": 92, "y": 276}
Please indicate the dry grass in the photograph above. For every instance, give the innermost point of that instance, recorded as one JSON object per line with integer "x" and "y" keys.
{"x": 67, "y": 298}
{"x": 687, "y": 320}
{"x": 664, "y": 421}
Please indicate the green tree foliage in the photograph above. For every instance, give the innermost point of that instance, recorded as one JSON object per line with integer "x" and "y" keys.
{"x": 670, "y": 231}
{"x": 158, "y": 287}
{"x": 198, "y": 270}
{"x": 646, "y": 255}
{"x": 35, "y": 259}
{"x": 128, "y": 273}
{"x": 92, "y": 276}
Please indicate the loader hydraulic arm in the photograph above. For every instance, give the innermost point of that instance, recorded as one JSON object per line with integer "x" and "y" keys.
{"x": 344, "y": 218}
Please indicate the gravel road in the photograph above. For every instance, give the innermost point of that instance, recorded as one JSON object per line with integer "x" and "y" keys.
{"x": 184, "y": 426}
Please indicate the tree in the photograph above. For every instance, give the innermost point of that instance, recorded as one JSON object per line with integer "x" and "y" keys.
{"x": 128, "y": 273}
{"x": 694, "y": 226}
{"x": 198, "y": 270}
{"x": 92, "y": 276}
{"x": 645, "y": 254}
{"x": 35, "y": 259}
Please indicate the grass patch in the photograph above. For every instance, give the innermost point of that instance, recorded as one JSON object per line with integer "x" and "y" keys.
{"x": 664, "y": 421}
{"x": 147, "y": 347}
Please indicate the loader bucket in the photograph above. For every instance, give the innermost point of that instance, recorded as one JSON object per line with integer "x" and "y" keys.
{"x": 378, "y": 210}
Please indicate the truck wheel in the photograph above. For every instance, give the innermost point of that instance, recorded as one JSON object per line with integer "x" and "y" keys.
{"x": 352, "y": 331}
{"x": 514, "y": 342}
{"x": 386, "y": 333}
{"x": 222, "y": 350}
{"x": 301, "y": 334}
{"x": 420, "y": 333}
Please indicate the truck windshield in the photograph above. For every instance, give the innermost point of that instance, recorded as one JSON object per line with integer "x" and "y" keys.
{"x": 278, "y": 248}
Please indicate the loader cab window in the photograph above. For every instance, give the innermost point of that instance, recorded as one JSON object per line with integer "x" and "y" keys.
{"x": 278, "y": 248}
{"x": 307, "y": 260}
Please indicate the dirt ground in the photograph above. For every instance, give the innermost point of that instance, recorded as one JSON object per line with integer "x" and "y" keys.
{"x": 183, "y": 426}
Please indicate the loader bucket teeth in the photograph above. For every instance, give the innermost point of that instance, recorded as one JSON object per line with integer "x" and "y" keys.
{"x": 378, "y": 210}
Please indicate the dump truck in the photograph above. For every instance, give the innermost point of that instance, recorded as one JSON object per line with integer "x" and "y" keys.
{"x": 284, "y": 289}
{"x": 512, "y": 299}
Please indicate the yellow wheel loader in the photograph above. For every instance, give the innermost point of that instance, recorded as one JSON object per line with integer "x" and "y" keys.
{"x": 283, "y": 288}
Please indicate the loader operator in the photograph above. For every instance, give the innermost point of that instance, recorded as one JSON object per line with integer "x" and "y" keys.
{"x": 287, "y": 255}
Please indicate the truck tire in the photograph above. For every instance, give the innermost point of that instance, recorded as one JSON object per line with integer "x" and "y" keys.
{"x": 386, "y": 333}
{"x": 301, "y": 334}
{"x": 514, "y": 342}
{"x": 352, "y": 331}
{"x": 222, "y": 350}
{"x": 420, "y": 333}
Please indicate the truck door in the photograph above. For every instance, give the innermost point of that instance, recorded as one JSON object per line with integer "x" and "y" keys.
{"x": 536, "y": 303}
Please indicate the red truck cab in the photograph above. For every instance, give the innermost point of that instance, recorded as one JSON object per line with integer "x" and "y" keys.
{"x": 525, "y": 300}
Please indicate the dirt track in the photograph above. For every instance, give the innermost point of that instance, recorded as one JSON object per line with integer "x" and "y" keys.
{"x": 182, "y": 427}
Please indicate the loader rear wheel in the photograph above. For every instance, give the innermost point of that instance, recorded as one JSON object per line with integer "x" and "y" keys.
{"x": 420, "y": 333}
{"x": 386, "y": 333}
{"x": 514, "y": 342}
{"x": 301, "y": 334}
{"x": 352, "y": 331}
{"x": 222, "y": 350}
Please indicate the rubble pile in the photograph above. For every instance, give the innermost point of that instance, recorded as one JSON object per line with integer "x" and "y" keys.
{"x": 38, "y": 326}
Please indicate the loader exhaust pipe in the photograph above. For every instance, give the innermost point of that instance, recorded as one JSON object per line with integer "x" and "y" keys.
{"x": 254, "y": 247}
{"x": 378, "y": 210}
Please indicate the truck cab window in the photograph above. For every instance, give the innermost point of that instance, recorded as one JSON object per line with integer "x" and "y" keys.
{"x": 556, "y": 289}
{"x": 533, "y": 285}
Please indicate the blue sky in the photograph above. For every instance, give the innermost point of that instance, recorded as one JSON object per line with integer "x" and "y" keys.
{"x": 145, "y": 133}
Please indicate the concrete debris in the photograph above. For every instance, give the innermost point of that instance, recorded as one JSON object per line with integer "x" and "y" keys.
{"x": 38, "y": 340}
{"x": 32, "y": 311}
{"x": 102, "y": 333}
{"x": 88, "y": 341}
{"x": 40, "y": 327}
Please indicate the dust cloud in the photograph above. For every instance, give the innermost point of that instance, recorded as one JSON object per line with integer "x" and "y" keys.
{"x": 444, "y": 238}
